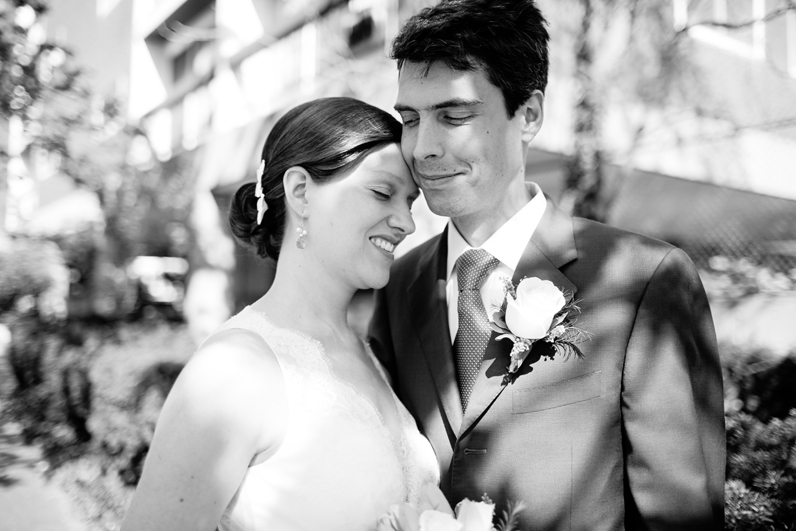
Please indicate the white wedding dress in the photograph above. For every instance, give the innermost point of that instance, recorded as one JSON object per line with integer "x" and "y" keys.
{"x": 339, "y": 466}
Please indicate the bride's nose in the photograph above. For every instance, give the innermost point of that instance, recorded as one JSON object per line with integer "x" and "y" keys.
{"x": 402, "y": 221}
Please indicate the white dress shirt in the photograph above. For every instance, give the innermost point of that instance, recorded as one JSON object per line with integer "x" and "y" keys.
{"x": 506, "y": 244}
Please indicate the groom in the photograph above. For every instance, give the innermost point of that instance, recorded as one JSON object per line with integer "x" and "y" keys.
{"x": 631, "y": 435}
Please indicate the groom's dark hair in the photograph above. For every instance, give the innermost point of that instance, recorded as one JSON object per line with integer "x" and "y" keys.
{"x": 507, "y": 38}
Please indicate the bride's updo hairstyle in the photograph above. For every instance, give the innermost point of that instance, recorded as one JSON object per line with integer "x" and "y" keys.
{"x": 327, "y": 137}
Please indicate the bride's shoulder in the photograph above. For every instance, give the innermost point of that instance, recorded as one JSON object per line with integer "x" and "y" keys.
{"x": 230, "y": 373}
{"x": 237, "y": 354}
{"x": 232, "y": 386}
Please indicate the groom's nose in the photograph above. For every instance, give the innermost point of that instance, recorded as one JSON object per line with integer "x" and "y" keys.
{"x": 426, "y": 141}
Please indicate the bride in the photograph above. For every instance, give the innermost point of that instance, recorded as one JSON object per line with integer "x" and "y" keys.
{"x": 283, "y": 419}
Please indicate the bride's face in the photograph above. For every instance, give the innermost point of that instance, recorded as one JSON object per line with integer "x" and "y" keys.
{"x": 357, "y": 220}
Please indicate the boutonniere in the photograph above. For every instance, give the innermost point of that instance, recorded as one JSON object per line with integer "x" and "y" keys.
{"x": 536, "y": 310}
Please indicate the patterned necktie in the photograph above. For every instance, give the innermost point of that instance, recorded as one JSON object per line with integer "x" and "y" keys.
{"x": 472, "y": 268}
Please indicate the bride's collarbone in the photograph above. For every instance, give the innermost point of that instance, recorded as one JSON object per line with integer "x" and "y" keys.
{"x": 354, "y": 367}
{"x": 352, "y": 364}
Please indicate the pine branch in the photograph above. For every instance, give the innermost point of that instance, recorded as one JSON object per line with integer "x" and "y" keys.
{"x": 510, "y": 520}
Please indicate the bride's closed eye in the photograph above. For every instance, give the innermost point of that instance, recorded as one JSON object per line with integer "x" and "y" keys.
{"x": 382, "y": 194}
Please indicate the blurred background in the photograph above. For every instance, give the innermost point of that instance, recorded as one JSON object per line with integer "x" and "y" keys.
{"x": 126, "y": 126}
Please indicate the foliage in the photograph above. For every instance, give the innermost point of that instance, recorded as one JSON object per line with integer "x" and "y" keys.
{"x": 510, "y": 518}
{"x": 730, "y": 278}
{"x": 131, "y": 375}
{"x": 91, "y": 396}
{"x": 39, "y": 80}
{"x": 627, "y": 55}
{"x": 145, "y": 203}
{"x": 747, "y": 510}
{"x": 27, "y": 268}
{"x": 146, "y": 208}
{"x": 759, "y": 383}
{"x": 761, "y": 440}
{"x": 761, "y": 472}
{"x": 50, "y": 362}
{"x": 30, "y": 68}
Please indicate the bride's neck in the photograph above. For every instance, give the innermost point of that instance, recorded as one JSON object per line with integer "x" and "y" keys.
{"x": 306, "y": 295}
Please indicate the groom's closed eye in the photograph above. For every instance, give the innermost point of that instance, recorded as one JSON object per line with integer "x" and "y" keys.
{"x": 409, "y": 120}
{"x": 459, "y": 119}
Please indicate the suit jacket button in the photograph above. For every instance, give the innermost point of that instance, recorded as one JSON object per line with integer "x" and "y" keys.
{"x": 474, "y": 451}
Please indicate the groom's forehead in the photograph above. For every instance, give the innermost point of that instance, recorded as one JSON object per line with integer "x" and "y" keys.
{"x": 439, "y": 88}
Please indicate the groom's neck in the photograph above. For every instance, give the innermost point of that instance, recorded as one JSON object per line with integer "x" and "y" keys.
{"x": 478, "y": 227}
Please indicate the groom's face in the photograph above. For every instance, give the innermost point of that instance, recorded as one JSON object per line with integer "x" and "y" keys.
{"x": 465, "y": 152}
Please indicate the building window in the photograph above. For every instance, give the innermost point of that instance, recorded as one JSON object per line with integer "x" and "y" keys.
{"x": 790, "y": 42}
{"x": 184, "y": 45}
{"x": 739, "y": 26}
{"x": 104, "y": 7}
{"x": 191, "y": 61}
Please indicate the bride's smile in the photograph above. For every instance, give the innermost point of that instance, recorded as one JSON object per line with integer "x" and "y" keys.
{"x": 357, "y": 220}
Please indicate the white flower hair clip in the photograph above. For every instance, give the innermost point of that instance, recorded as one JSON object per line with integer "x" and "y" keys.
{"x": 262, "y": 206}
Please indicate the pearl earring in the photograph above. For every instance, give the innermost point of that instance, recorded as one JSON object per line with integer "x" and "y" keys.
{"x": 301, "y": 243}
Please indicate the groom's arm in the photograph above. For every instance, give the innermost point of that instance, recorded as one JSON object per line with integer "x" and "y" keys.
{"x": 672, "y": 405}
{"x": 380, "y": 334}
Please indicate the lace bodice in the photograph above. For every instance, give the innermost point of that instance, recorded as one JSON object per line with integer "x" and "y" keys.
{"x": 339, "y": 466}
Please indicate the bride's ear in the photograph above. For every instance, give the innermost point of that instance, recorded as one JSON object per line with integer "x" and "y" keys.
{"x": 296, "y": 182}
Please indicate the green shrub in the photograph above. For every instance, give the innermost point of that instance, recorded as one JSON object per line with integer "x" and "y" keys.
{"x": 52, "y": 397}
{"x": 90, "y": 398}
{"x": 28, "y": 267}
{"x": 759, "y": 383}
{"x": 747, "y": 510}
{"x": 130, "y": 375}
{"x": 761, "y": 440}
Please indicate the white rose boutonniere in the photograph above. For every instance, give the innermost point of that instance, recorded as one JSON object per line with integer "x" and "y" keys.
{"x": 537, "y": 310}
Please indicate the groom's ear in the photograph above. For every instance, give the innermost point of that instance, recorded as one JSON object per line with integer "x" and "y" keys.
{"x": 532, "y": 116}
{"x": 296, "y": 182}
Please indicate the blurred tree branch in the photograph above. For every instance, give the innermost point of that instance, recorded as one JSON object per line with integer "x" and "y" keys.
{"x": 776, "y": 13}
{"x": 628, "y": 55}
{"x": 145, "y": 203}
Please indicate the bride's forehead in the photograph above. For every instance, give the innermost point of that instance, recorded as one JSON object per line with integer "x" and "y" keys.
{"x": 387, "y": 158}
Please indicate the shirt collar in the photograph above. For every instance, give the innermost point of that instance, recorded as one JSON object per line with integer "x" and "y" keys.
{"x": 503, "y": 243}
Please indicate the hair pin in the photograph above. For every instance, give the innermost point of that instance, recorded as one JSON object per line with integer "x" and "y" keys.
{"x": 262, "y": 206}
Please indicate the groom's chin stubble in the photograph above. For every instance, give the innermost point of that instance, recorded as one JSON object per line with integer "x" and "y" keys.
{"x": 443, "y": 203}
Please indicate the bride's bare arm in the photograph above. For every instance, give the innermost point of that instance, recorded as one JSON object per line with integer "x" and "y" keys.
{"x": 227, "y": 406}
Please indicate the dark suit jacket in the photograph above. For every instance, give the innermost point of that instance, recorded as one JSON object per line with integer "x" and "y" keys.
{"x": 629, "y": 437}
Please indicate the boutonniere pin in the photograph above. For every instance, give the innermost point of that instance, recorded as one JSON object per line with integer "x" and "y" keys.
{"x": 536, "y": 310}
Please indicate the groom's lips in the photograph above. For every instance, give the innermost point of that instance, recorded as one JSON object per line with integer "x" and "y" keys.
{"x": 435, "y": 179}
{"x": 435, "y": 176}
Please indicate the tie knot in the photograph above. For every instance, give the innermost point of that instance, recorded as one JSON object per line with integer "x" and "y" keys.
{"x": 473, "y": 267}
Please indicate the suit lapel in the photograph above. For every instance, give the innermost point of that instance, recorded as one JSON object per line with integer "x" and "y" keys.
{"x": 429, "y": 310}
{"x": 551, "y": 247}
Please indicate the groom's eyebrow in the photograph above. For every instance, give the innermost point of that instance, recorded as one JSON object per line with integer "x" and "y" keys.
{"x": 453, "y": 102}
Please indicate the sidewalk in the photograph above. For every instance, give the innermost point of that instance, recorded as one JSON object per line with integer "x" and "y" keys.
{"x": 28, "y": 501}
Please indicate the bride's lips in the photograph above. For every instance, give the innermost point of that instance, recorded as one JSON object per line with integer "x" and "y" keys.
{"x": 386, "y": 244}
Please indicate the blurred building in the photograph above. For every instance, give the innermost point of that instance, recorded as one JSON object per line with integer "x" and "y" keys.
{"x": 209, "y": 77}
{"x": 99, "y": 34}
